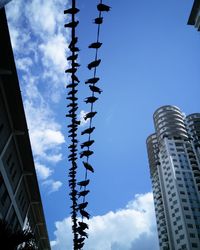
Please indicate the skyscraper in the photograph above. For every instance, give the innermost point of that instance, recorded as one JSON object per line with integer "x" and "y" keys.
{"x": 174, "y": 159}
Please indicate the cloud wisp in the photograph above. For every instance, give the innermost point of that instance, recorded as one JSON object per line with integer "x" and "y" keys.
{"x": 124, "y": 229}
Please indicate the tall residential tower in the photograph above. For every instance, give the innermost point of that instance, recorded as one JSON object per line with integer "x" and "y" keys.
{"x": 174, "y": 159}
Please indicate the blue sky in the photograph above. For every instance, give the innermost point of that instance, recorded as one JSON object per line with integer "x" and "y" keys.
{"x": 149, "y": 59}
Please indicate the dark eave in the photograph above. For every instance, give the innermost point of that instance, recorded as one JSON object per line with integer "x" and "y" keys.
{"x": 194, "y": 12}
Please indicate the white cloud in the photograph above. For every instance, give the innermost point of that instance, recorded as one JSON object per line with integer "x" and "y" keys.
{"x": 52, "y": 185}
{"x": 43, "y": 171}
{"x": 123, "y": 229}
{"x": 24, "y": 63}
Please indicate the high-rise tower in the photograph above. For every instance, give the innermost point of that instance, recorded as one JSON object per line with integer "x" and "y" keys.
{"x": 174, "y": 159}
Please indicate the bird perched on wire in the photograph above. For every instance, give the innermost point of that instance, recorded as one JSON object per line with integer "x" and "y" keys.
{"x": 73, "y": 110}
{"x": 92, "y": 80}
{"x": 87, "y": 143}
{"x": 83, "y": 193}
{"x": 90, "y": 115}
{"x": 72, "y": 98}
{"x": 72, "y": 24}
{"x": 82, "y": 205}
{"x": 86, "y": 153}
{"x": 94, "y": 64}
{"x": 95, "y": 89}
{"x": 72, "y": 57}
{"x": 72, "y": 85}
{"x": 88, "y": 166}
{"x": 74, "y": 49}
{"x": 71, "y": 11}
{"x": 73, "y": 42}
{"x": 81, "y": 232}
{"x": 74, "y": 64}
{"x": 103, "y": 7}
{"x": 95, "y": 45}
{"x": 83, "y": 183}
{"x": 83, "y": 225}
{"x": 98, "y": 20}
{"x": 90, "y": 99}
{"x": 71, "y": 70}
{"x": 88, "y": 131}
{"x": 72, "y": 92}
{"x": 84, "y": 214}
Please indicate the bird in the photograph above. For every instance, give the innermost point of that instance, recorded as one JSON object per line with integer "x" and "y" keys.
{"x": 98, "y": 20}
{"x": 71, "y": 70}
{"x": 95, "y": 45}
{"x": 71, "y": 115}
{"x": 82, "y": 205}
{"x": 74, "y": 49}
{"x": 71, "y": 11}
{"x": 81, "y": 232}
{"x": 94, "y": 64}
{"x": 74, "y": 64}
{"x": 72, "y": 105}
{"x": 84, "y": 214}
{"x": 72, "y": 135}
{"x": 72, "y": 92}
{"x": 74, "y": 192}
{"x": 88, "y": 166}
{"x": 92, "y": 80}
{"x": 86, "y": 153}
{"x": 76, "y": 122}
{"x": 72, "y": 155}
{"x": 72, "y": 98}
{"x": 72, "y": 57}
{"x": 88, "y": 131}
{"x": 79, "y": 245}
{"x": 83, "y": 193}
{"x": 103, "y": 7}
{"x": 90, "y": 99}
{"x": 73, "y": 42}
{"x": 95, "y": 89}
{"x": 72, "y": 85}
{"x": 87, "y": 143}
{"x": 75, "y": 78}
{"x": 73, "y": 110}
{"x": 74, "y": 140}
{"x": 72, "y": 130}
{"x": 72, "y": 24}
{"x": 83, "y": 225}
{"x": 83, "y": 183}
{"x": 90, "y": 115}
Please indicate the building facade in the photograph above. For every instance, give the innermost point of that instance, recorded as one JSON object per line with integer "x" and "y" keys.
{"x": 174, "y": 159}
{"x": 20, "y": 201}
{"x": 194, "y": 18}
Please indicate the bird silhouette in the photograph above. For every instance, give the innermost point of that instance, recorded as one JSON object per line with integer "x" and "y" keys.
{"x": 74, "y": 49}
{"x": 83, "y": 193}
{"x": 98, "y": 20}
{"x": 76, "y": 122}
{"x": 72, "y": 92}
{"x": 71, "y": 11}
{"x": 87, "y": 143}
{"x": 81, "y": 232}
{"x": 79, "y": 245}
{"x": 91, "y": 99}
{"x": 74, "y": 192}
{"x": 88, "y": 131}
{"x": 71, "y": 115}
{"x": 74, "y": 64}
{"x": 82, "y": 205}
{"x": 95, "y": 45}
{"x": 72, "y": 155}
{"x": 73, "y": 110}
{"x": 83, "y": 183}
{"x": 72, "y": 85}
{"x": 88, "y": 166}
{"x": 84, "y": 214}
{"x": 73, "y": 105}
{"x": 103, "y": 7}
{"x": 95, "y": 89}
{"x": 86, "y": 153}
{"x": 73, "y": 42}
{"x": 90, "y": 115}
{"x": 94, "y": 64}
{"x": 75, "y": 78}
{"x": 71, "y": 70}
{"x": 92, "y": 80}
{"x": 72, "y": 135}
{"x": 83, "y": 225}
{"x": 72, "y": 24}
{"x": 72, "y": 57}
{"x": 72, "y": 130}
{"x": 72, "y": 98}
{"x": 74, "y": 140}
{"x": 80, "y": 240}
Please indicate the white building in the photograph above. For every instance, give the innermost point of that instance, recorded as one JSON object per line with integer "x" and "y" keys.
{"x": 174, "y": 159}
